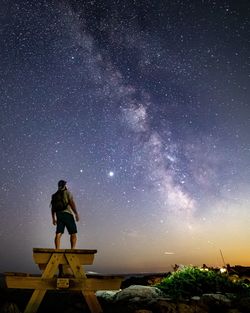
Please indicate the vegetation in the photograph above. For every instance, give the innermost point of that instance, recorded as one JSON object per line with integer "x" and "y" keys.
{"x": 192, "y": 281}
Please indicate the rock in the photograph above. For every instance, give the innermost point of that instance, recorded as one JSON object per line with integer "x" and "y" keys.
{"x": 216, "y": 301}
{"x": 143, "y": 311}
{"x": 139, "y": 292}
{"x": 135, "y": 298}
{"x": 195, "y": 299}
{"x": 244, "y": 304}
{"x": 163, "y": 306}
{"x": 216, "y": 297}
{"x": 191, "y": 308}
{"x": 106, "y": 295}
{"x": 184, "y": 308}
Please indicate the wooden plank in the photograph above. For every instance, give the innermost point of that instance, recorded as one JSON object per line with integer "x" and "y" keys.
{"x": 19, "y": 282}
{"x": 16, "y": 274}
{"x": 42, "y": 258}
{"x": 89, "y": 284}
{"x": 39, "y": 293}
{"x": 75, "y": 265}
{"x": 52, "y": 266}
{"x": 35, "y": 301}
{"x": 109, "y": 283}
{"x": 92, "y": 302}
{"x": 78, "y": 272}
{"x": 74, "y": 251}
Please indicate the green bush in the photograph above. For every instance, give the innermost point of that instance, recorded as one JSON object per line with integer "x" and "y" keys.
{"x": 192, "y": 281}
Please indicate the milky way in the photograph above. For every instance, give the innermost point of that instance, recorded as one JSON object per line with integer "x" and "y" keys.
{"x": 143, "y": 107}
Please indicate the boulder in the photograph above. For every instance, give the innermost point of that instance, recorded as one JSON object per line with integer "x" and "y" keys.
{"x": 167, "y": 306}
{"x": 135, "y": 298}
{"x": 106, "y": 295}
{"x": 216, "y": 301}
{"x": 139, "y": 292}
{"x": 190, "y": 308}
{"x": 164, "y": 306}
{"x": 244, "y": 304}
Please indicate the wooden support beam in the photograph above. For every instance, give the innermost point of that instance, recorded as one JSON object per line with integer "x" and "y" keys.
{"x": 89, "y": 284}
{"x": 92, "y": 302}
{"x": 39, "y": 293}
{"x": 75, "y": 265}
{"x": 78, "y": 272}
{"x": 35, "y": 301}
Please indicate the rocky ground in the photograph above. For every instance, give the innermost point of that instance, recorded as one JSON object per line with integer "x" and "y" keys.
{"x": 136, "y": 296}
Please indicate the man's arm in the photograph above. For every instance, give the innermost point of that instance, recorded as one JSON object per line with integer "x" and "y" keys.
{"x": 73, "y": 207}
{"x": 53, "y": 214}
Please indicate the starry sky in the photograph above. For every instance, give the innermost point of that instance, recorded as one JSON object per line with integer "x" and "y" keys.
{"x": 143, "y": 108}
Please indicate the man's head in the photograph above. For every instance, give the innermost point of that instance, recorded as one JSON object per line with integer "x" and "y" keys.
{"x": 61, "y": 184}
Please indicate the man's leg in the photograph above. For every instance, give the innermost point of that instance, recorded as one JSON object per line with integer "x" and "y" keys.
{"x": 58, "y": 240}
{"x": 73, "y": 239}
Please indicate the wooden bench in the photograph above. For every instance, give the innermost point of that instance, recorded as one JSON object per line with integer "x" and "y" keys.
{"x": 49, "y": 260}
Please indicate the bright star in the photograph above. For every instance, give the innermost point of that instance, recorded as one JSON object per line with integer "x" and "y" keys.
{"x": 111, "y": 174}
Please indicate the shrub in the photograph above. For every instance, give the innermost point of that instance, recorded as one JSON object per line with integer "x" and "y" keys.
{"x": 192, "y": 281}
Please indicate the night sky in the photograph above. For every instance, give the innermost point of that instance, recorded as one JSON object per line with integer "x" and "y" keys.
{"x": 142, "y": 106}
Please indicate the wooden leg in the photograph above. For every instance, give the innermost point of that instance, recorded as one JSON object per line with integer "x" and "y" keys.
{"x": 92, "y": 302}
{"x": 35, "y": 301}
{"x": 38, "y": 294}
{"x": 75, "y": 265}
{"x": 89, "y": 296}
{"x": 52, "y": 265}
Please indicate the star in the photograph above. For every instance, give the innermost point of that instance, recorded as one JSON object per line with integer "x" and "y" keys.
{"x": 152, "y": 132}
{"x": 111, "y": 174}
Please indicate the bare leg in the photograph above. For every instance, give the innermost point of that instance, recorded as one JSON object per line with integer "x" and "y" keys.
{"x": 58, "y": 240}
{"x": 73, "y": 240}
{"x": 57, "y": 246}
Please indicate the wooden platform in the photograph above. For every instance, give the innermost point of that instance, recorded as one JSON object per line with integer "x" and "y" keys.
{"x": 42, "y": 256}
{"x": 49, "y": 260}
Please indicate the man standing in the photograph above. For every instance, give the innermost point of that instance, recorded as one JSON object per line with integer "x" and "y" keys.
{"x": 63, "y": 209}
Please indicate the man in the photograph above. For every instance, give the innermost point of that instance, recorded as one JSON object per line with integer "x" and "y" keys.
{"x": 63, "y": 209}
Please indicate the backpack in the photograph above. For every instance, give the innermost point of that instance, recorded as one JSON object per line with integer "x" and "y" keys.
{"x": 58, "y": 201}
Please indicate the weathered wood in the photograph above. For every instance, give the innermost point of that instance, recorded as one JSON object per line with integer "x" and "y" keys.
{"x": 39, "y": 293}
{"x": 94, "y": 284}
{"x": 75, "y": 265}
{"x": 92, "y": 302}
{"x": 16, "y": 274}
{"x": 74, "y": 251}
{"x": 52, "y": 265}
{"x": 42, "y": 256}
{"x": 90, "y": 296}
{"x": 35, "y": 301}
{"x": 50, "y": 259}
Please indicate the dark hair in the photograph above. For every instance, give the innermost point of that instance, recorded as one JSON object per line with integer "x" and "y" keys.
{"x": 61, "y": 183}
